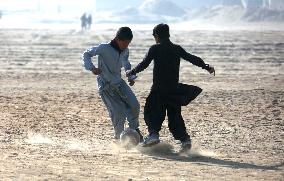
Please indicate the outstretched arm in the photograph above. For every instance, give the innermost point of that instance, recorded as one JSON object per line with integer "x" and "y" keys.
{"x": 142, "y": 65}
{"x": 197, "y": 61}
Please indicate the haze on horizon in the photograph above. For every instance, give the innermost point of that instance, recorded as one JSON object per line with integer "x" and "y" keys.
{"x": 63, "y": 12}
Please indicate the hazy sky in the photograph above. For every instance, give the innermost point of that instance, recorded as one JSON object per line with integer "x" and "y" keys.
{"x": 116, "y": 4}
{"x": 48, "y": 5}
{"x": 89, "y": 5}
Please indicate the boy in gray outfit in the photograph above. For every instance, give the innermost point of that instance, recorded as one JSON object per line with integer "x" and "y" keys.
{"x": 115, "y": 93}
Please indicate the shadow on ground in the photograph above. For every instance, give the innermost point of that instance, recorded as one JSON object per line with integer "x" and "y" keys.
{"x": 165, "y": 151}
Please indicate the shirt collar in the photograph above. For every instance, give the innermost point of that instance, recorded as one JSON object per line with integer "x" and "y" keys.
{"x": 115, "y": 46}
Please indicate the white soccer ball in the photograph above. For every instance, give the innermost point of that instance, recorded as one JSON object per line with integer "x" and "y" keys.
{"x": 129, "y": 138}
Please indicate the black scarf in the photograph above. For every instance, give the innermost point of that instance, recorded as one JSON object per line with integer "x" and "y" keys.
{"x": 115, "y": 46}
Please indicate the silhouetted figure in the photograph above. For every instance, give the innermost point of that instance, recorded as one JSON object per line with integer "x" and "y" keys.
{"x": 83, "y": 21}
{"x": 89, "y": 21}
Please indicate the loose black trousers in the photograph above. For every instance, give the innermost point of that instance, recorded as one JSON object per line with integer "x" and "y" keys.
{"x": 158, "y": 105}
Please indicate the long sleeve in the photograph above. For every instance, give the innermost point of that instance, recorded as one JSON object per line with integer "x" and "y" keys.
{"x": 192, "y": 58}
{"x": 125, "y": 61}
{"x": 145, "y": 63}
{"x": 126, "y": 64}
{"x": 87, "y": 57}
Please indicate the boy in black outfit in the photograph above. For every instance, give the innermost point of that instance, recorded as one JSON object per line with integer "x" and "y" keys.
{"x": 167, "y": 94}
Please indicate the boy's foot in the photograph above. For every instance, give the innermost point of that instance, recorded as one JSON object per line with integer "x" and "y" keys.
{"x": 185, "y": 146}
{"x": 151, "y": 139}
{"x": 140, "y": 135}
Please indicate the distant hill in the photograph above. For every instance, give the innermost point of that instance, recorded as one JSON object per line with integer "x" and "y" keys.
{"x": 154, "y": 11}
{"x": 235, "y": 14}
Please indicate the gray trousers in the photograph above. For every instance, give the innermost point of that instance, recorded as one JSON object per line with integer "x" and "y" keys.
{"x": 121, "y": 104}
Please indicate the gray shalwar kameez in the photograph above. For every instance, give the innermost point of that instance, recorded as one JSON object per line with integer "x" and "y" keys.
{"x": 115, "y": 93}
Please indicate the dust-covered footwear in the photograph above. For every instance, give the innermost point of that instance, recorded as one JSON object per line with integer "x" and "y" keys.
{"x": 151, "y": 139}
{"x": 185, "y": 146}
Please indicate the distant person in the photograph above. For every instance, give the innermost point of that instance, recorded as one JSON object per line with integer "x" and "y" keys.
{"x": 167, "y": 95}
{"x": 83, "y": 21}
{"x": 0, "y": 14}
{"x": 89, "y": 21}
{"x": 117, "y": 96}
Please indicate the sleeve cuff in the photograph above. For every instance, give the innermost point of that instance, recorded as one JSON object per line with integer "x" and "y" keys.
{"x": 206, "y": 67}
{"x": 132, "y": 77}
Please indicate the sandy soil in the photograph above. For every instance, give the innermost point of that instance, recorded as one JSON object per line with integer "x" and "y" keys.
{"x": 53, "y": 125}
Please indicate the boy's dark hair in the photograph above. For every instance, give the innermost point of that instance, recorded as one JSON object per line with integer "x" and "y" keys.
{"x": 162, "y": 31}
{"x": 124, "y": 33}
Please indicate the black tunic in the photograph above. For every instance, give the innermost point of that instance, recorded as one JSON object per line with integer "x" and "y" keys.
{"x": 166, "y": 56}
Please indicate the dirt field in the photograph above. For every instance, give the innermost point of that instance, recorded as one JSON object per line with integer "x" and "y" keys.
{"x": 53, "y": 125}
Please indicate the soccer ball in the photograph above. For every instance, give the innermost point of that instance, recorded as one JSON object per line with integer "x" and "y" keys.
{"x": 129, "y": 138}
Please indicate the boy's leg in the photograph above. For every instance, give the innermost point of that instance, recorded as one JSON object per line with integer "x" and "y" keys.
{"x": 176, "y": 123}
{"x": 116, "y": 111}
{"x": 154, "y": 113}
{"x": 132, "y": 109}
{"x": 132, "y": 106}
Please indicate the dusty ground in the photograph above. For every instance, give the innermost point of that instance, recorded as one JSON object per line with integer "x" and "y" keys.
{"x": 53, "y": 126}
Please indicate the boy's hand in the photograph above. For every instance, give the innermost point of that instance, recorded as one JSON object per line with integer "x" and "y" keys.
{"x": 96, "y": 71}
{"x": 131, "y": 77}
{"x": 131, "y": 82}
{"x": 211, "y": 70}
